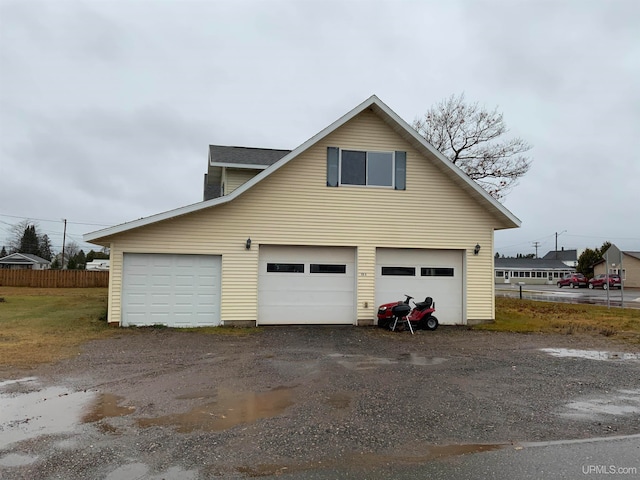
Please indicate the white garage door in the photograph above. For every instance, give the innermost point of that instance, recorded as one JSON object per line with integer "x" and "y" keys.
{"x": 306, "y": 285}
{"x": 172, "y": 290}
{"x": 422, "y": 273}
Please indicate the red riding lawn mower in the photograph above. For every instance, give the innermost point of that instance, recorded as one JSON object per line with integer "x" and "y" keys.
{"x": 397, "y": 315}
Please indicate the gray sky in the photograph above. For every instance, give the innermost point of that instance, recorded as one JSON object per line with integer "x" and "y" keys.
{"x": 107, "y": 108}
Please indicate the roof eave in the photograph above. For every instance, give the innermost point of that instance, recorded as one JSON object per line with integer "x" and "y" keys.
{"x": 248, "y": 166}
{"x": 461, "y": 178}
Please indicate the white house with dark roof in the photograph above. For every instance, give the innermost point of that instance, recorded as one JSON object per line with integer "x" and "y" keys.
{"x": 24, "y": 261}
{"x": 534, "y": 271}
{"x": 568, "y": 257}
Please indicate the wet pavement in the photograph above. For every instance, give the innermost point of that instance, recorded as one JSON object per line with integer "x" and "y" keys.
{"x": 629, "y": 297}
{"x": 319, "y": 403}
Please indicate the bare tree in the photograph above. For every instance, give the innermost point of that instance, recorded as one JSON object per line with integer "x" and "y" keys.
{"x": 471, "y": 137}
{"x": 17, "y": 231}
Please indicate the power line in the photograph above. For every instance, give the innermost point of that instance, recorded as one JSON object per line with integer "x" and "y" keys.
{"x": 55, "y": 221}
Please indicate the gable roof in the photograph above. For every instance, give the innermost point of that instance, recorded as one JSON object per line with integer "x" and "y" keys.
{"x": 374, "y": 104}
{"x": 626, "y": 253}
{"x": 24, "y": 258}
{"x": 564, "y": 255}
{"x": 240, "y": 156}
{"x": 530, "y": 263}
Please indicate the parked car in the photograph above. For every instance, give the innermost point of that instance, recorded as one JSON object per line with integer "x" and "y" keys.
{"x": 600, "y": 281}
{"x": 573, "y": 280}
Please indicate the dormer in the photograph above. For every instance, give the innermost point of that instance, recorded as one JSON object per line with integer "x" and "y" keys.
{"x": 230, "y": 167}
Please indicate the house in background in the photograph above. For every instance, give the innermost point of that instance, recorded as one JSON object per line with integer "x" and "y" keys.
{"x": 568, "y": 257}
{"x": 358, "y": 215}
{"x": 532, "y": 271}
{"x": 98, "y": 265}
{"x": 630, "y": 266}
{"x": 24, "y": 261}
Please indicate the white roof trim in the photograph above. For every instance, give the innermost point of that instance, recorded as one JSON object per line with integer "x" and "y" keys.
{"x": 29, "y": 259}
{"x": 249, "y": 166}
{"x": 372, "y": 101}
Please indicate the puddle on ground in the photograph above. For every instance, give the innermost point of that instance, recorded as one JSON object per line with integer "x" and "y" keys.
{"x": 617, "y": 403}
{"x": 39, "y": 411}
{"x": 105, "y": 406}
{"x": 28, "y": 410}
{"x": 228, "y": 410}
{"x": 365, "y": 362}
{"x": 370, "y": 460}
{"x": 141, "y": 470}
{"x": 590, "y": 354}
{"x": 26, "y": 383}
{"x": 17, "y": 460}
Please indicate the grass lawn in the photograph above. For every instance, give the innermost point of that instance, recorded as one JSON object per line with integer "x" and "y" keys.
{"x": 39, "y": 325}
{"x": 528, "y": 316}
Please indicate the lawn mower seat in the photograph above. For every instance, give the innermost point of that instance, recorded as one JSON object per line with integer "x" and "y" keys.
{"x": 424, "y": 305}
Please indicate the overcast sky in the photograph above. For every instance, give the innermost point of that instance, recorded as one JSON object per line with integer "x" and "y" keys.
{"x": 107, "y": 107}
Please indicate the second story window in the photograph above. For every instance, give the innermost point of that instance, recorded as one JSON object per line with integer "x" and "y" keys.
{"x": 363, "y": 168}
{"x": 366, "y": 168}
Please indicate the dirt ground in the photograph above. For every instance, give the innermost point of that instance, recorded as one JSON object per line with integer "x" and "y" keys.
{"x": 163, "y": 404}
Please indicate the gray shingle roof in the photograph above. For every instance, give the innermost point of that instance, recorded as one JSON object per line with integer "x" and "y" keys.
{"x": 626, "y": 253}
{"x": 16, "y": 258}
{"x": 564, "y": 255}
{"x": 530, "y": 263}
{"x": 245, "y": 155}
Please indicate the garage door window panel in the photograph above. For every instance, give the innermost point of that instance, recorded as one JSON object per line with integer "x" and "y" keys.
{"x": 285, "y": 267}
{"x": 328, "y": 268}
{"x": 436, "y": 272}
{"x": 399, "y": 271}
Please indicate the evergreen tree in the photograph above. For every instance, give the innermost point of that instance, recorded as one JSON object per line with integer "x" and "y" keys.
{"x": 55, "y": 264}
{"x": 45, "y": 247}
{"x": 3, "y": 252}
{"x": 589, "y": 257}
{"x": 29, "y": 241}
{"x": 93, "y": 255}
{"x": 81, "y": 260}
{"x": 72, "y": 264}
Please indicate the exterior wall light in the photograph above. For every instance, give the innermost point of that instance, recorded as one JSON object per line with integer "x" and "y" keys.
{"x": 476, "y": 249}
{"x": 248, "y": 244}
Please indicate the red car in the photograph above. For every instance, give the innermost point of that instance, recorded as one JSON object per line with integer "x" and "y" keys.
{"x": 573, "y": 280}
{"x": 600, "y": 281}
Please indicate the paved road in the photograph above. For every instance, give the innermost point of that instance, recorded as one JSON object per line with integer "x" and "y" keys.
{"x": 552, "y": 293}
{"x": 591, "y": 459}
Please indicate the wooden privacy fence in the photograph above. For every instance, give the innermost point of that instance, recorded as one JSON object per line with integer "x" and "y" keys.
{"x": 53, "y": 278}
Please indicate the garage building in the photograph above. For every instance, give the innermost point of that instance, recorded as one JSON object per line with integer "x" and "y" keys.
{"x": 362, "y": 213}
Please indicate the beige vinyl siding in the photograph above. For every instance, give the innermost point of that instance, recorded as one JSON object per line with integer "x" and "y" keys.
{"x": 236, "y": 177}
{"x": 293, "y": 206}
{"x": 631, "y": 266}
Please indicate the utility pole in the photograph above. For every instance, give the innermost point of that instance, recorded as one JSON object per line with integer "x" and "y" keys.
{"x": 64, "y": 237}
{"x": 557, "y": 235}
{"x": 536, "y": 244}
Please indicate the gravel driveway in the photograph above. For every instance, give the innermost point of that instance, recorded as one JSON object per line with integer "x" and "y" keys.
{"x": 162, "y": 404}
